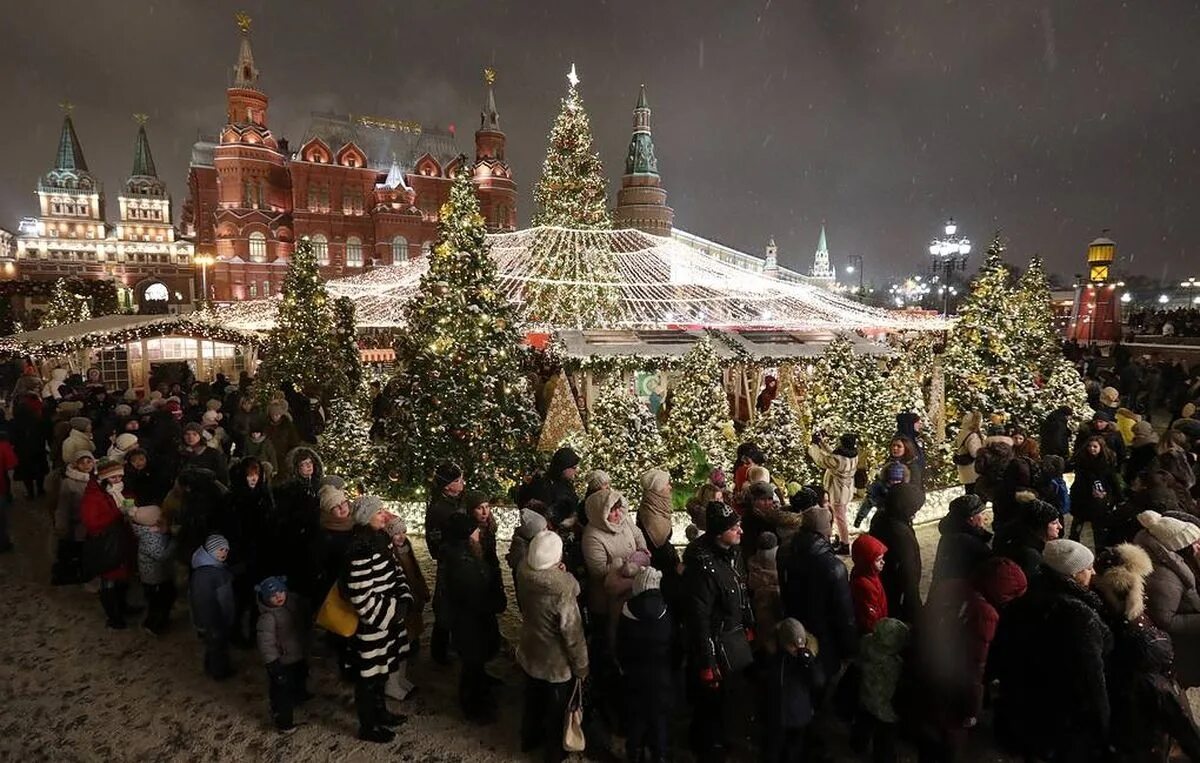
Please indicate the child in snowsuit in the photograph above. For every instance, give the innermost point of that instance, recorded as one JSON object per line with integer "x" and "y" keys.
{"x": 790, "y": 677}
{"x": 281, "y": 626}
{"x": 210, "y": 594}
{"x": 866, "y": 587}
{"x": 882, "y": 663}
{"x": 155, "y": 552}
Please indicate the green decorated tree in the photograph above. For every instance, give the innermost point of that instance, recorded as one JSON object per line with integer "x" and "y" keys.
{"x": 623, "y": 437}
{"x": 848, "y": 392}
{"x": 65, "y": 306}
{"x": 301, "y": 351}
{"x": 460, "y": 392}
{"x": 699, "y": 414}
{"x": 345, "y": 336}
{"x": 780, "y": 434}
{"x": 346, "y": 446}
{"x": 571, "y": 284}
{"x": 1003, "y": 354}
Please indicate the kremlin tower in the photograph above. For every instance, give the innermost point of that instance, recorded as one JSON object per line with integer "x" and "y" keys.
{"x": 642, "y": 201}
{"x": 497, "y": 190}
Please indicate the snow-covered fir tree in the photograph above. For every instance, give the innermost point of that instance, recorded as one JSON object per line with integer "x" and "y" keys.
{"x": 65, "y": 306}
{"x": 623, "y": 437}
{"x": 571, "y": 284}
{"x": 460, "y": 392}
{"x": 781, "y": 435}
{"x": 698, "y": 414}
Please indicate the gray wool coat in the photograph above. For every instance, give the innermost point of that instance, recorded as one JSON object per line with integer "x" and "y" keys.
{"x": 1173, "y": 603}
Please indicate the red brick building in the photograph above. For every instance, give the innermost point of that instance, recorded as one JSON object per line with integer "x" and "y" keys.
{"x": 365, "y": 190}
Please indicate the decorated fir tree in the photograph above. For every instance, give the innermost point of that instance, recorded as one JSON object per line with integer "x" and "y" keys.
{"x": 1003, "y": 355}
{"x": 65, "y": 306}
{"x": 623, "y": 437}
{"x": 698, "y": 414}
{"x": 301, "y": 352}
{"x": 460, "y": 392}
{"x": 571, "y": 192}
{"x": 571, "y": 284}
{"x": 345, "y": 337}
{"x": 780, "y": 434}
{"x": 848, "y": 393}
{"x": 346, "y": 446}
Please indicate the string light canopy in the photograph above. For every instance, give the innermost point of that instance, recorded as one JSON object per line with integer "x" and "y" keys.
{"x": 656, "y": 283}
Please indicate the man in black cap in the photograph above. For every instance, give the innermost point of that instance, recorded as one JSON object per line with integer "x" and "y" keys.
{"x": 718, "y": 626}
{"x": 965, "y": 542}
{"x": 445, "y": 500}
{"x": 556, "y": 488}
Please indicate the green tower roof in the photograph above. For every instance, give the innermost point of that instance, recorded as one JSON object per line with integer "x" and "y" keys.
{"x": 143, "y": 160}
{"x": 70, "y": 155}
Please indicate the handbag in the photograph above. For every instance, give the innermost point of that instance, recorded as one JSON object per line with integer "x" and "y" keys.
{"x": 573, "y": 739}
{"x": 733, "y": 651}
{"x": 103, "y": 552}
{"x": 336, "y": 615}
{"x": 963, "y": 459}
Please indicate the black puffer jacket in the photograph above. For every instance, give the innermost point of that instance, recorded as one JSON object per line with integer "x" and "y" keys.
{"x": 474, "y": 596}
{"x": 814, "y": 588}
{"x": 298, "y": 524}
{"x": 645, "y": 634}
{"x": 1056, "y": 434}
{"x": 901, "y": 574}
{"x": 961, "y": 549}
{"x": 1040, "y": 681}
{"x": 716, "y": 599}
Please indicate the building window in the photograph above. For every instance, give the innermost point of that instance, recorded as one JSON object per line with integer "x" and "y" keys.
{"x": 426, "y": 248}
{"x": 266, "y": 288}
{"x": 258, "y": 247}
{"x": 253, "y": 290}
{"x": 354, "y": 252}
{"x": 320, "y": 246}
{"x": 399, "y": 249}
{"x": 352, "y": 202}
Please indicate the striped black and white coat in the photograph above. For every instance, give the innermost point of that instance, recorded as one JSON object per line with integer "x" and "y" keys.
{"x": 375, "y": 587}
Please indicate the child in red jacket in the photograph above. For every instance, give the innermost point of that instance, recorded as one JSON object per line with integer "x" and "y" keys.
{"x": 866, "y": 588}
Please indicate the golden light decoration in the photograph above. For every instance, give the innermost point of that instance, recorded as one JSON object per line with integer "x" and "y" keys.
{"x": 489, "y": 75}
{"x": 242, "y": 19}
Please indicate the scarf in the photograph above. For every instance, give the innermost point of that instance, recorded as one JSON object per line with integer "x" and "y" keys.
{"x": 654, "y": 515}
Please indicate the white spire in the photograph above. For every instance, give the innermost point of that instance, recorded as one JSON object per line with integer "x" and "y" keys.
{"x": 395, "y": 177}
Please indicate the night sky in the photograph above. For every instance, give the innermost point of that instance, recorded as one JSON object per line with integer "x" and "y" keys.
{"x": 1048, "y": 120}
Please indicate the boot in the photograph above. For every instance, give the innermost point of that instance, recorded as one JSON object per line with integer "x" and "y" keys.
{"x": 377, "y": 734}
{"x": 110, "y": 600}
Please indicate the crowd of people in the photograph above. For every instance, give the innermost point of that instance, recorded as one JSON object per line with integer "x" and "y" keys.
{"x": 1181, "y": 321}
{"x": 770, "y": 621}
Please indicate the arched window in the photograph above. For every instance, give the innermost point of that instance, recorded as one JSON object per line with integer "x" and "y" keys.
{"x": 266, "y": 288}
{"x": 354, "y": 252}
{"x": 399, "y": 249}
{"x": 320, "y": 247}
{"x": 427, "y": 247}
{"x": 156, "y": 292}
{"x": 258, "y": 247}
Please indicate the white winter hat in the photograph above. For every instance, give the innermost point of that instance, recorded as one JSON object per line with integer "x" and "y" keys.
{"x": 1067, "y": 557}
{"x": 1174, "y": 534}
{"x": 545, "y": 550}
{"x": 647, "y": 578}
{"x": 757, "y": 474}
{"x": 655, "y": 481}
{"x": 126, "y": 442}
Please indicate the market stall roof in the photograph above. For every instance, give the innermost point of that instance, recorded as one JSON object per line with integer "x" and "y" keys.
{"x": 659, "y": 283}
{"x": 666, "y": 346}
{"x": 109, "y": 330}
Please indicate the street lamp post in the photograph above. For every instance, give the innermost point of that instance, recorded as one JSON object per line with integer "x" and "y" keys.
{"x": 203, "y": 260}
{"x": 856, "y": 258}
{"x": 949, "y": 253}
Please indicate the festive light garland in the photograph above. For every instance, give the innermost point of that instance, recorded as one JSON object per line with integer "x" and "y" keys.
{"x": 661, "y": 283}
{"x": 184, "y": 326}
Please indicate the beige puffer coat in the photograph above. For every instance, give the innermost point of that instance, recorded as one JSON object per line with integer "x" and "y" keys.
{"x": 607, "y": 546}
{"x": 552, "y": 646}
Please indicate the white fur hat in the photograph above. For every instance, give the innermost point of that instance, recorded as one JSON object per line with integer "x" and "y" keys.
{"x": 545, "y": 550}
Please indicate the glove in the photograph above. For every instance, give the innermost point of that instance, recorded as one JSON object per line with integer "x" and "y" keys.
{"x": 710, "y": 677}
{"x": 750, "y": 635}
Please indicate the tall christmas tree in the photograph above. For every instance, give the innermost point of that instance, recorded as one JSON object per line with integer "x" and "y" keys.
{"x": 849, "y": 393}
{"x": 345, "y": 336}
{"x": 460, "y": 392}
{"x": 346, "y": 446}
{"x": 301, "y": 352}
{"x": 65, "y": 306}
{"x": 1003, "y": 354}
{"x": 699, "y": 414}
{"x": 780, "y": 434}
{"x": 571, "y": 284}
{"x": 623, "y": 437}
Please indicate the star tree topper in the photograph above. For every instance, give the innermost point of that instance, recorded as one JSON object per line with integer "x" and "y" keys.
{"x": 572, "y": 77}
